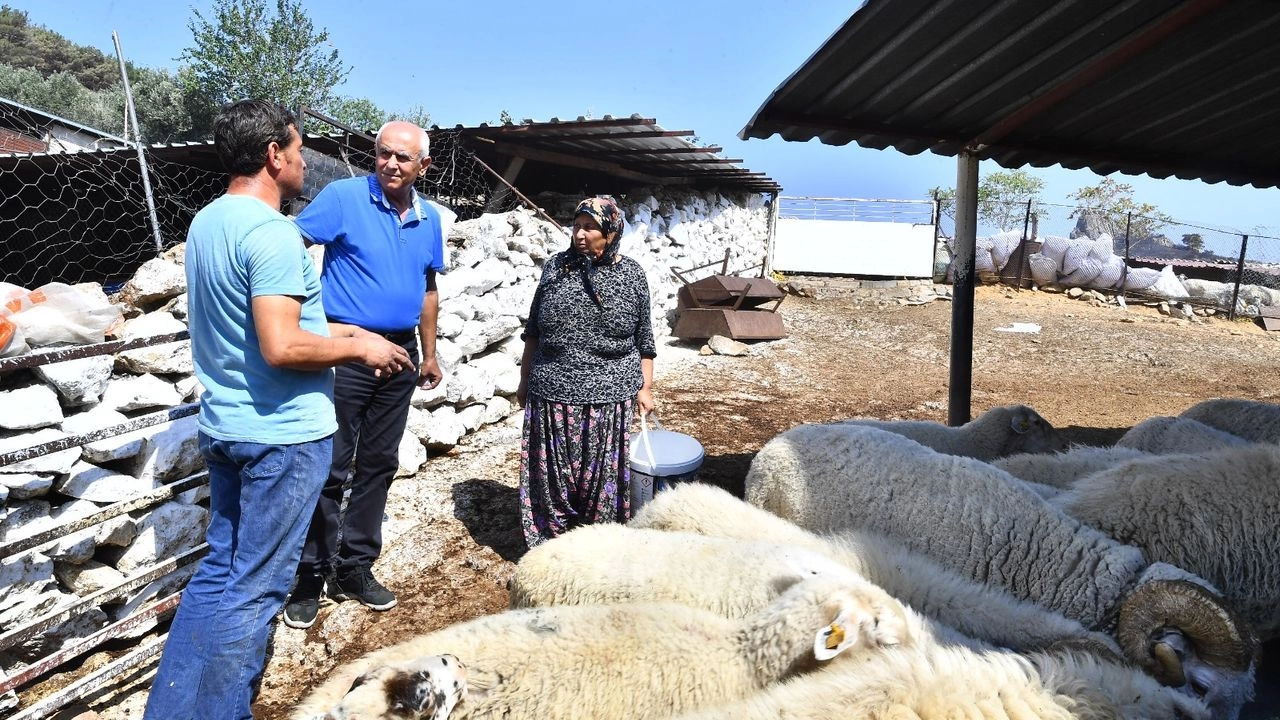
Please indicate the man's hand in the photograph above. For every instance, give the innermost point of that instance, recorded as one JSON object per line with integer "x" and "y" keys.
{"x": 429, "y": 374}
{"x": 385, "y": 357}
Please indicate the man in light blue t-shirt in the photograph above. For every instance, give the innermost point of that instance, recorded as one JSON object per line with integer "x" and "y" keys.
{"x": 383, "y": 246}
{"x": 264, "y": 352}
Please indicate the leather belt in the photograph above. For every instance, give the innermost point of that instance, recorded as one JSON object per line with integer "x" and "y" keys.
{"x": 400, "y": 337}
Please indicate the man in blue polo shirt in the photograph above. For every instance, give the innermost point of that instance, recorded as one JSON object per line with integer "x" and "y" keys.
{"x": 382, "y": 248}
{"x": 262, "y": 351}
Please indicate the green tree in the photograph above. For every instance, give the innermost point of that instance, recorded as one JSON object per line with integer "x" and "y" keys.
{"x": 1194, "y": 242}
{"x": 164, "y": 108}
{"x": 358, "y": 113}
{"x": 1002, "y": 199}
{"x": 1110, "y": 204}
{"x": 247, "y": 51}
{"x": 419, "y": 116}
{"x": 23, "y": 45}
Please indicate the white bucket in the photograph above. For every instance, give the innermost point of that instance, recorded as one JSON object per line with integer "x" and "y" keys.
{"x": 660, "y": 458}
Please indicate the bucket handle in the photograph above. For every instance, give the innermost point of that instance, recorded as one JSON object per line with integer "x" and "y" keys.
{"x": 644, "y": 436}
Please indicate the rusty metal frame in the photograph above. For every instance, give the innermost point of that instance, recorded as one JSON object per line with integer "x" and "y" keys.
{"x": 66, "y": 443}
{"x": 105, "y": 676}
{"x": 79, "y": 352}
{"x": 92, "y": 682}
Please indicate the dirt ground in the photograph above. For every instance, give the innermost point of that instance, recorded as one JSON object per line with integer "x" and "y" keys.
{"x": 452, "y": 535}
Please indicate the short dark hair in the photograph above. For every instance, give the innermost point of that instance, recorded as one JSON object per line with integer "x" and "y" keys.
{"x": 242, "y": 130}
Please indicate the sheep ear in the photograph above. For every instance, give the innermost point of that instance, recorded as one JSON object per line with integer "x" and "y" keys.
{"x": 834, "y": 639}
{"x": 1021, "y": 423}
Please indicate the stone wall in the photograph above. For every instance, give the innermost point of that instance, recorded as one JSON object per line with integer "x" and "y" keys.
{"x": 493, "y": 267}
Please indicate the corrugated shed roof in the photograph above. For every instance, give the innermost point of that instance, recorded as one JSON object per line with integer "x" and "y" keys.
{"x": 1189, "y": 88}
{"x": 599, "y": 156}
{"x": 596, "y": 154}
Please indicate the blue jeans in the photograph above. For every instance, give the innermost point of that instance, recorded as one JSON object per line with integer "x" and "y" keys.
{"x": 261, "y": 498}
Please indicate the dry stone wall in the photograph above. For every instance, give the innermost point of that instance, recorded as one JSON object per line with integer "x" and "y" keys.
{"x": 494, "y": 265}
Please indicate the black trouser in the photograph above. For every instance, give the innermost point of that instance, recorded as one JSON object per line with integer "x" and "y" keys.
{"x": 372, "y": 413}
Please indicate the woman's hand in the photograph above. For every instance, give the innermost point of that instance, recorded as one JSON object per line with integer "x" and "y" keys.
{"x": 522, "y": 392}
{"x": 644, "y": 401}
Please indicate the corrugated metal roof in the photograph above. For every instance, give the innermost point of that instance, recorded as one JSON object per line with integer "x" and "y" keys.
{"x": 610, "y": 154}
{"x": 600, "y": 156}
{"x": 1189, "y": 88}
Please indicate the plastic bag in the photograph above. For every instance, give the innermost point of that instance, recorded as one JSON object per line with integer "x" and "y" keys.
{"x": 12, "y": 341}
{"x": 58, "y": 313}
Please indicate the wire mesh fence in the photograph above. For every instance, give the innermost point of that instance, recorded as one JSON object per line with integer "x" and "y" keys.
{"x": 1232, "y": 271}
{"x": 919, "y": 212}
{"x": 77, "y": 213}
{"x": 456, "y": 178}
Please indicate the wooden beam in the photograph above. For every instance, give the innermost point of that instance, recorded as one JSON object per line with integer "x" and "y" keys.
{"x": 501, "y": 190}
{"x": 538, "y": 128}
{"x": 689, "y": 161}
{"x": 566, "y": 160}
{"x": 603, "y": 136}
{"x": 663, "y": 151}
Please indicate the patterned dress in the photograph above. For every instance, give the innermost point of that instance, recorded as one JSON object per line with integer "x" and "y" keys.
{"x": 583, "y": 382}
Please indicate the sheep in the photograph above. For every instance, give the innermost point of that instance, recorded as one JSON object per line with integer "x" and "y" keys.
{"x": 1249, "y": 419}
{"x": 426, "y": 688}
{"x": 958, "y": 682}
{"x": 1213, "y": 513}
{"x": 996, "y": 433}
{"x": 941, "y": 674}
{"x": 738, "y": 529}
{"x": 1177, "y": 435}
{"x": 611, "y": 563}
{"x": 1060, "y": 470}
{"x": 980, "y": 521}
{"x": 630, "y": 660}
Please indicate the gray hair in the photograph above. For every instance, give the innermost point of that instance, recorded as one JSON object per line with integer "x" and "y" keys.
{"x": 426, "y": 139}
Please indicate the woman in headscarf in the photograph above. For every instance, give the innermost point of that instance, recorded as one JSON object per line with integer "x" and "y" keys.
{"x": 587, "y": 368}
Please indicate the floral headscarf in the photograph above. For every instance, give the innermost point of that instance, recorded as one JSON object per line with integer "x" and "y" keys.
{"x": 604, "y": 210}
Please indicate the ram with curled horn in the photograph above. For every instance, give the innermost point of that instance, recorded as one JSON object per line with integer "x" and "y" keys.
{"x": 985, "y": 524}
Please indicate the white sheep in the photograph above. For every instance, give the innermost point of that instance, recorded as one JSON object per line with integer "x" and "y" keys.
{"x": 996, "y": 433}
{"x": 612, "y": 563}
{"x": 633, "y": 660}
{"x": 1213, "y": 513}
{"x": 940, "y": 674}
{"x": 958, "y": 682}
{"x": 975, "y": 610}
{"x": 1060, "y": 470}
{"x": 985, "y": 524}
{"x": 1166, "y": 435}
{"x": 1249, "y": 419}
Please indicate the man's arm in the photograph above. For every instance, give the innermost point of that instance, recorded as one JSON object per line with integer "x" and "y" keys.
{"x": 286, "y": 345}
{"x": 429, "y": 374}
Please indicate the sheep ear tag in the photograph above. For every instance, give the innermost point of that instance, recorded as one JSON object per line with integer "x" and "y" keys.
{"x": 833, "y": 640}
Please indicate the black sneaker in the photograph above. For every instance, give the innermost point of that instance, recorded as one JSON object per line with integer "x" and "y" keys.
{"x": 304, "y": 602}
{"x": 359, "y": 584}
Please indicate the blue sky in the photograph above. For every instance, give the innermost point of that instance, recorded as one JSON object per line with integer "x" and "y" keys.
{"x": 702, "y": 65}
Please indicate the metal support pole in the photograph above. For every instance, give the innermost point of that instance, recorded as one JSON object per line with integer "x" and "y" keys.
{"x": 1022, "y": 247}
{"x": 767, "y": 269}
{"x": 1124, "y": 274}
{"x": 960, "y": 389}
{"x": 937, "y": 223}
{"x": 142, "y": 158}
{"x": 1235, "y": 293}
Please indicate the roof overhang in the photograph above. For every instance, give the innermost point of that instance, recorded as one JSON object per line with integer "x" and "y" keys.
{"x": 1185, "y": 88}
